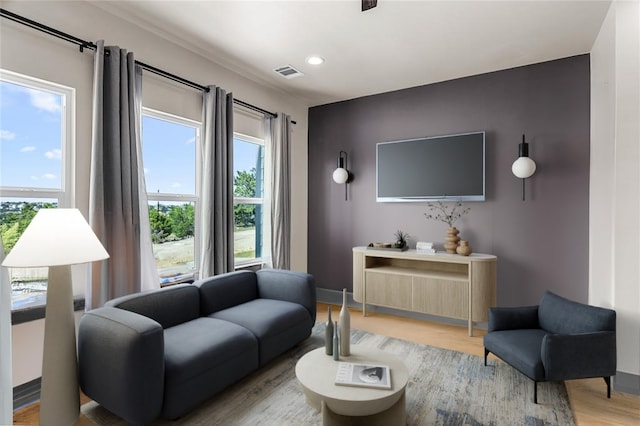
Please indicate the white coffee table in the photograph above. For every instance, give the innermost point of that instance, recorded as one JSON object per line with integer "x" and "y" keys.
{"x": 316, "y": 373}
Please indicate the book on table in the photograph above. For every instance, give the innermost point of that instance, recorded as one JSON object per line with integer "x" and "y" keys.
{"x": 363, "y": 375}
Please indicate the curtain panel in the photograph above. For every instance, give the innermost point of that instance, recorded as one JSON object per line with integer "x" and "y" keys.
{"x": 216, "y": 184}
{"x": 118, "y": 211}
{"x": 281, "y": 191}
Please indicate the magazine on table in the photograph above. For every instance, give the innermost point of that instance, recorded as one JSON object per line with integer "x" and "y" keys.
{"x": 363, "y": 375}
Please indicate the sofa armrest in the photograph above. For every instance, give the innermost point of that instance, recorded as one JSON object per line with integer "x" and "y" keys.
{"x": 290, "y": 286}
{"x": 121, "y": 362}
{"x": 575, "y": 356}
{"x": 516, "y": 318}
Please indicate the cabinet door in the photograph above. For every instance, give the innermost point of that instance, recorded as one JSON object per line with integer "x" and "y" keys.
{"x": 448, "y": 298}
{"x": 391, "y": 290}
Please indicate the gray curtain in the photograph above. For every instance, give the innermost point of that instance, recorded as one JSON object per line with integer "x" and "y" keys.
{"x": 117, "y": 195}
{"x": 280, "y": 132}
{"x": 216, "y": 185}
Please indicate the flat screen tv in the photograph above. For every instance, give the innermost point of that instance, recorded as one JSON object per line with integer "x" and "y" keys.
{"x": 445, "y": 168}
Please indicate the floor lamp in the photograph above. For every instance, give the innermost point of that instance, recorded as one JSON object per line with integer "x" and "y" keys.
{"x": 58, "y": 238}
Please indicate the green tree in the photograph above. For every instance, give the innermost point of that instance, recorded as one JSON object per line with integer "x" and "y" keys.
{"x": 182, "y": 220}
{"x": 244, "y": 185}
{"x": 160, "y": 225}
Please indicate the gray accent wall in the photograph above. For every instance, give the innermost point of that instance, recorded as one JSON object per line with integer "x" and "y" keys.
{"x": 541, "y": 243}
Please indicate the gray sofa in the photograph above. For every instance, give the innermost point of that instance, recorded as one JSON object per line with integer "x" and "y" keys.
{"x": 558, "y": 339}
{"x": 163, "y": 352}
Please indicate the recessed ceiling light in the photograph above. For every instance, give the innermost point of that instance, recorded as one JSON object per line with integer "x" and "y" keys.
{"x": 315, "y": 60}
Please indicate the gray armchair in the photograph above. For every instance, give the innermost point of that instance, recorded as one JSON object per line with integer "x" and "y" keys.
{"x": 557, "y": 340}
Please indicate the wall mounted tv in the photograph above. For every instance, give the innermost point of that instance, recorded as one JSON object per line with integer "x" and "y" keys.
{"x": 442, "y": 168}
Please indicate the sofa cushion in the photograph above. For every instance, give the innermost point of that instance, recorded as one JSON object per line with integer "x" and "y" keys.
{"x": 277, "y": 324}
{"x": 169, "y": 306}
{"x": 202, "y": 357}
{"x": 226, "y": 290}
{"x": 520, "y": 349}
{"x": 563, "y": 316}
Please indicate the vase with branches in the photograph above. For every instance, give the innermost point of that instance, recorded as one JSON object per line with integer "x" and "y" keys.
{"x": 448, "y": 214}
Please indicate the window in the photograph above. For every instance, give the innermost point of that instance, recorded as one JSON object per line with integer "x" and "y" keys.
{"x": 249, "y": 206}
{"x": 169, "y": 153}
{"x": 36, "y": 167}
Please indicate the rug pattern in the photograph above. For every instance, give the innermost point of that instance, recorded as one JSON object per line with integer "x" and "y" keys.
{"x": 445, "y": 388}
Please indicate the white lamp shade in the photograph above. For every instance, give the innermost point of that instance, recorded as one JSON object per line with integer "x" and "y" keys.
{"x": 56, "y": 237}
{"x": 523, "y": 167}
{"x": 340, "y": 175}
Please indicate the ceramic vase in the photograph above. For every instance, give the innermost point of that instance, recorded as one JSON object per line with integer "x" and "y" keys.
{"x": 451, "y": 239}
{"x": 464, "y": 248}
{"x": 345, "y": 326}
{"x": 328, "y": 334}
{"x": 336, "y": 342}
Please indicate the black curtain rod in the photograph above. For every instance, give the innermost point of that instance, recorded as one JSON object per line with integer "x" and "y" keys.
{"x": 83, "y": 44}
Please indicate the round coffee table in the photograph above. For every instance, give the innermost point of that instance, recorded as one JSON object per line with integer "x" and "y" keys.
{"x": 316, "y": 373}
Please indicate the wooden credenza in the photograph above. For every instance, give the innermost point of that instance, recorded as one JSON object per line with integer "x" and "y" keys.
{"x": 447, "y": 285}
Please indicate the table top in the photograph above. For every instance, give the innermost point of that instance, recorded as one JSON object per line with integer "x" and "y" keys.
{"x": 316, "y": 372}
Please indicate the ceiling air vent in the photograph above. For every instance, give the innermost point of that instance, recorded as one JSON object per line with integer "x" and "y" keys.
{"x": 288, "y": 71}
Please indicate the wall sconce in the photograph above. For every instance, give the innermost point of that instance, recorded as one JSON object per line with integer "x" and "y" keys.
{"x": 524, "y": 166}
{"x": 341, "y": 174}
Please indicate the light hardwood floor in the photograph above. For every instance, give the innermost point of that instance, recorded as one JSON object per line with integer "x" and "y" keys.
{"x": 588, "y": 397}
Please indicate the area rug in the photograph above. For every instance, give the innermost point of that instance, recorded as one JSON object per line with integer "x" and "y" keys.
{"x": 445, "y": 388}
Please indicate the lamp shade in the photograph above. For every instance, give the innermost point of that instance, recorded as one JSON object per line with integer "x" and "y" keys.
{"x": 340, "y": 175}
{"x": 56, "y": 237}
{"x": 523, "y": 167}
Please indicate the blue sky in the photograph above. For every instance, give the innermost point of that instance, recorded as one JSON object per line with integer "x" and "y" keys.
{"x": 30, "y": 142}
{"x": 30, "y": 135}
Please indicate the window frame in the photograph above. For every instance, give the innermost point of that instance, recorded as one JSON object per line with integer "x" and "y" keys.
{"x": 65, "y": 195}
{"x": 176, "y": 197}
{"x": 238, "y": 264}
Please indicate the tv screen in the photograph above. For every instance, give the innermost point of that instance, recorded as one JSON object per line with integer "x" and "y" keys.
{"x": 443, "y": 168}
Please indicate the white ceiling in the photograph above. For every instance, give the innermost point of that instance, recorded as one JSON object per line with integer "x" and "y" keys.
{"x": 398, "y": 44}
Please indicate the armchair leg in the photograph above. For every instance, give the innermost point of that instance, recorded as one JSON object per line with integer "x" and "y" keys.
{"x": 607, "y": 380}
{"x": 535, "y": 392}
{"x": 486, "y": 352}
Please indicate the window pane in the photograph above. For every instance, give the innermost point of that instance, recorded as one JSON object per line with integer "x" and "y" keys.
{"x": 248, "y": 160}
{"x": 247, "y": 234}
{"x": 28, "y": 285}
{"x": 169, "y": 156}
{"x": 31, "y": 134}
{"x": 172, "y": 234}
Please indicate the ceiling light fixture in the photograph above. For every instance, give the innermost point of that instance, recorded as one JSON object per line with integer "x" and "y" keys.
{"x": 315, "y": 60}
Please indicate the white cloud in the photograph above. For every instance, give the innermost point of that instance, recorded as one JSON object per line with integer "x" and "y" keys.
{"x": 191, "y": 140}
{"x": 7, "y": 135}
{"x": 49, "y": 176}
{"x": 176, "y": 185}
{"x": 146, "y": 171}
{"x": 28, "y": 149}
{"x": 54, "y": 154}
{"x": 34, "y": 177}
{"x": 44, "y": 100}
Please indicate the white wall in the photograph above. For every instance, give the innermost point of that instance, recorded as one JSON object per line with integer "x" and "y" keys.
{"x": 615, "y": 176}
{"x": 33, "y": 53}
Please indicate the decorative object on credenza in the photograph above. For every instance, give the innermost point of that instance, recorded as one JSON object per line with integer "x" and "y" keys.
{"x": 58, "y": 238}
{"x": 424, "y": 247}
{"x": 341, "y": 174}
{"x": 464, "y": 248}
{"x": 328, "y": 336}
{"x": 448, "y": 214}
{"x": 401, "y": 239}
{"x": 524, "y": 166}
{"x": 451, "y": 240}
{"x": 345, "y": 326}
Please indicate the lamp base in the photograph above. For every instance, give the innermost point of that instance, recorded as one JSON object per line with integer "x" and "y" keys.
{"x": 59, "y": 395}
